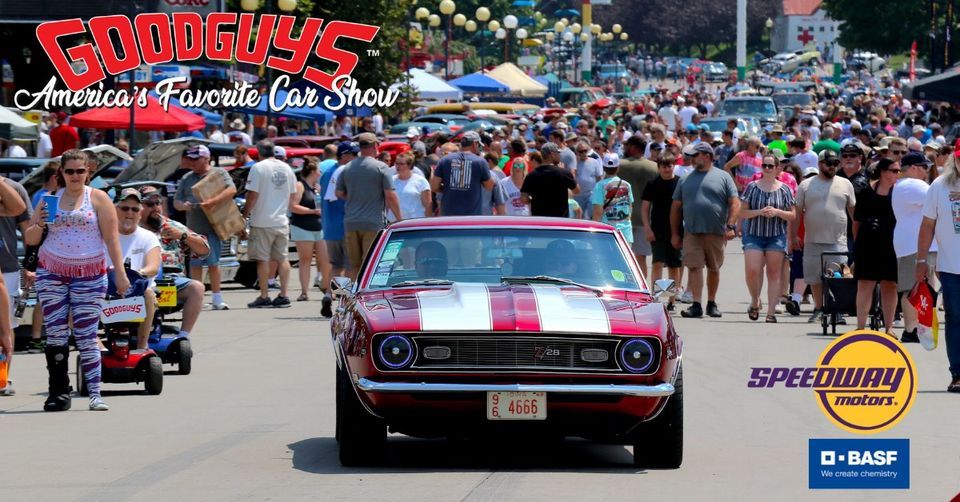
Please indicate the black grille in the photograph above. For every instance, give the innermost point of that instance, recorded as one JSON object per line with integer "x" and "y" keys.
{"x": 510, "y": 353}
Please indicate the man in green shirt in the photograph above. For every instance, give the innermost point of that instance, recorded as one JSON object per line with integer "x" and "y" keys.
{"x": 637, "y": 170}
{"x": 826, "y": 141}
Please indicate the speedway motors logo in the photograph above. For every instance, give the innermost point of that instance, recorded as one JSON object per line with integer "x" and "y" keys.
{"x": 160, "y": 38}
{"x": 865, "y": 382}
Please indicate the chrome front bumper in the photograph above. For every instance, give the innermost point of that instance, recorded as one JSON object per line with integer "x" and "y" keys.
{"x": 659, "y": 390}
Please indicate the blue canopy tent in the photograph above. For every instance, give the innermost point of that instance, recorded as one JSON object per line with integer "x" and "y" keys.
{"x": 479, "y": 83}
{"x": 349, "y": 110}
{"x": 211, "y": 118}
{"x": 302, "y": 112}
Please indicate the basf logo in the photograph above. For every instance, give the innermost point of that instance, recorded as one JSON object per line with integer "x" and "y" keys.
{"x": 859, "y": 463}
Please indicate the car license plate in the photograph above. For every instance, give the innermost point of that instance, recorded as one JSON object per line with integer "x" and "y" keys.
{"x": 516, "y": 405}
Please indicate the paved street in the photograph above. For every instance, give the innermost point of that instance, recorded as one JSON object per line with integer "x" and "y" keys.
{"x": 255, "y": 421}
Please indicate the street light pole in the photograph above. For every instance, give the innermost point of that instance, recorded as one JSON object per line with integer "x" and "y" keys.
{"x": 483, "y": 15}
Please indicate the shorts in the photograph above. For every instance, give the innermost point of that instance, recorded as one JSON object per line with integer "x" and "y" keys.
{"x": 337, "y": 254}
{"x": 357, "y": 243}
{"x": 757, "y": 243}
{"x": 298, "y": 234}
{"x": 213, "y": 258}
{"x": 812, "y": 268}
{"x": 641, "y": 246}
{"x": 701, "y": 250}
{"x": 181, "y": 282}
{"x": 12, "y": 282}
{"x": 267, "y": 244}
{"x": 664, "y": 252}
{"x": 906, "y": 270}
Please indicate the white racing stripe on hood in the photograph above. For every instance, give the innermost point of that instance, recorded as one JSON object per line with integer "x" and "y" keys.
{"x": 465, "y": 306}
{"x": 577, "y": 313}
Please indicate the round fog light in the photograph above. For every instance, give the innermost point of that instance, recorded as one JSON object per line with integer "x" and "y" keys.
{"x": 396, "y": 351}
{"x": 637, "y": 355}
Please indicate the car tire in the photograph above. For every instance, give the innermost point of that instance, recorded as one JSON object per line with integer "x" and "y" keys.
{"x": 362, "y": 435}
{"x": 153, "y": 376}
{"x": 184, "y": 357}
{"x": 659, "y": 443}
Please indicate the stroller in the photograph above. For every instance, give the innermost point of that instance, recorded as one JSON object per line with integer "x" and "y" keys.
{"x": 840, "y": 296}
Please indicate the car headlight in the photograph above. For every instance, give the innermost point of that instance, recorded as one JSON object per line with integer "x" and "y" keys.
{"x": 637, "y": 355}
{"x": 396, "y": 351}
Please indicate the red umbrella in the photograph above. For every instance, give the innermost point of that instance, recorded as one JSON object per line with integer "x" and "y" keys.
{"x": 151, "y": 118}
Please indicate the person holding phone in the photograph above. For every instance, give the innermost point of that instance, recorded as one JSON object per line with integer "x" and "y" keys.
{"x": 74, "y": 237}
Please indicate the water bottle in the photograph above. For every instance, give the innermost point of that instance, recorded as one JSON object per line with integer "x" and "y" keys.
{"x": 4, "y": 365}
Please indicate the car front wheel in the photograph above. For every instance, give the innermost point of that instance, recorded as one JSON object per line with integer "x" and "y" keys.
{"x": 659, "y": 443}
{"x": 362, "y": 436}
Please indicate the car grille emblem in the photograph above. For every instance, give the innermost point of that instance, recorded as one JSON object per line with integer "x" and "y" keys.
{"x": 540, "y": 352}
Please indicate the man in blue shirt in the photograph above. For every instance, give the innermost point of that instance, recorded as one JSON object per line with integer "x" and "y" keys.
{"x": 461, "y": 178}
{"x": 332, "y": 212}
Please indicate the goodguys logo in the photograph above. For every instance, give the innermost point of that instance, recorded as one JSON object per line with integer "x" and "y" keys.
{"x": 159, "y": 38}
{"x": 119, "y": 309}
{"x": 865, "y": 381}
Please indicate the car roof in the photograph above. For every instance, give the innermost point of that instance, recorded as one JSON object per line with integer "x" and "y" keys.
{"x": 500, "y": 222}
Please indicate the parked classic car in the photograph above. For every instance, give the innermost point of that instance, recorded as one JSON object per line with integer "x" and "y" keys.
{"x": 461, "y": 325}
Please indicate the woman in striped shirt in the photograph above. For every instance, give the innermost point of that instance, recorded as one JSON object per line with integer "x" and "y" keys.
{"x": 766, "y": 210}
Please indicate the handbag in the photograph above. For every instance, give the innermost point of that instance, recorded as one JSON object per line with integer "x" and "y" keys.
{"x": 30, "y": 254}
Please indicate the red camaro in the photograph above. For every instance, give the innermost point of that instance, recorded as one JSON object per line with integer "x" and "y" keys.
{"x": 459, "y": 326}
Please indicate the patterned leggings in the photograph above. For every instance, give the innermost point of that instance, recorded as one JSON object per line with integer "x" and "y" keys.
{"x": 82, "y": 297}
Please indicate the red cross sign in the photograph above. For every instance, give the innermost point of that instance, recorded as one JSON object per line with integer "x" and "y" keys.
{"x": 805, "y": 37}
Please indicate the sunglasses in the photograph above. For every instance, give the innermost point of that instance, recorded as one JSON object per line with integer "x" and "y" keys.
{"x": 898, "y": 152}
{"x": 583, "y": 151}
{"x": 895, "y": 171}
{"x": 832, "y": 163}
{"x": 850, "y": 156}
{"x": 151, "y": 203}
{"x": 72, "y": 172}
{"x": 127, "y": 209}
{"x": 768, "y": 166}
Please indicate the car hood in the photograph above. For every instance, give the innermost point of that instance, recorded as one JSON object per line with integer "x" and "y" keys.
{"x": 542, "y": 308}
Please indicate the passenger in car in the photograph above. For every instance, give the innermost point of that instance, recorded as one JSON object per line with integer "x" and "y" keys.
{"x": 431, "y": 260}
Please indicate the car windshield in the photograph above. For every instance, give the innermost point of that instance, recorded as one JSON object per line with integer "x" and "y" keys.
{"x": 792, "y": 99}
{"x": 749, "y": 107}
{"x": 716, "y": 125}
{"x": 487, "y": 255}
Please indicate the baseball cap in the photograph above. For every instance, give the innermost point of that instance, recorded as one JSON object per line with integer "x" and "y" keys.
{"x": 689, "y": 150}
{"x": 828, "y": 155}
{"x": 367, "y": 139}
{"x": 469, "y": 138}
{"x": 346, "y": 147}
{"x": 413, "y": 132}
{"x": 914, "y": 159}
{"x": 61, "y": 116}
{"x": 702, "y": 147}
{"x": 280, "y": 152}
{"x": 918, "y": 128}
{"x": 933, "y": 144}
{"x": 149, "y": 191}
{"x": 127, "y": 193}
{"x": 611, "y": 161}
{"x": 852, "y": 146}
{"x": 810, "y": 171}
{"x": 419, "y": 147}
{"x": 549, "y": 148}
{"x": 196, "y": 152}
{"x": 569, "y": 136}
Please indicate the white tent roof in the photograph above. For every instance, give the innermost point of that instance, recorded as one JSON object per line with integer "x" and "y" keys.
{"x": 518, "y": 81}
{"x": 431, "y": 87}
{"x": 20, "y": 128}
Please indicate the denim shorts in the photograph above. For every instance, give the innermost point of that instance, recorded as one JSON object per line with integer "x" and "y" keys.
{"x": 215, "y": 249}
{"x": 757, "y": 243}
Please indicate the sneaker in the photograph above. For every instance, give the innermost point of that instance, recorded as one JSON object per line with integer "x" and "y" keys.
{"x": 686, "y": 297}
{"x": 97, "y": 404}
{"x": 280, "y": 302}
{"x": 325, "y": 307}
{"x": 816, "y": 317}
{"x": 273, "y": 284}
{"x": 260, "y": 303}
{"x": 778, "y": 309}
{"x": 909, "y": 336}
{"x": 841, "y": 320}
{"x": 793, "y": 308}
{"x": 713, "y": 310}
{"x": 8, "y": 390}
{"x": 220, "y": 306}
{"x": 36, "y": 346}
{"x": 694, "y": 311}
{"x": 670, "y": 307}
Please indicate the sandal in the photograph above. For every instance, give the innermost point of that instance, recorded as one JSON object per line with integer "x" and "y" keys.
{"x": 771, "y": 319}
{"x": 753, "y": 313}
{"x": 303, "y": 297}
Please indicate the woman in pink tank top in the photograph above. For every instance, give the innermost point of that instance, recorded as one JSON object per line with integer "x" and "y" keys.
{"x": 71, "y": 276}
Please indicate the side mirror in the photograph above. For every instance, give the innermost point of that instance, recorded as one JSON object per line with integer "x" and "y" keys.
{"x": 342, "y": 286}
{"x": 664, "y": 290}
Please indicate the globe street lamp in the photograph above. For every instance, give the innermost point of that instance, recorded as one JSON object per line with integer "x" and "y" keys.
{"x": 551, "y": 36}
{"x": 483, "y": 15}
{"x": 510, "y": 23}
{"x": 568, "y": 38}
{"x": 253, "y": 5}
{"x": 447, "y": 7}
{"x": 521, "y": 36}
{"x": 617, "y": 29}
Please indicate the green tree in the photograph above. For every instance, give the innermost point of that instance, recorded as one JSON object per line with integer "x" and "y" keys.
{"x": 885, "y": 27}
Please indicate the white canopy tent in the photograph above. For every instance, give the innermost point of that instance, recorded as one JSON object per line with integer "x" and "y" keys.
{"x": 430, "y": 86}
{"x": 20, "y": 128}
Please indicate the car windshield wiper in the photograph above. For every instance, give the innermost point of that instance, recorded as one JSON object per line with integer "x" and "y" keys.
{"x": 514, "y": 279}
{"x": 423, "y": 282}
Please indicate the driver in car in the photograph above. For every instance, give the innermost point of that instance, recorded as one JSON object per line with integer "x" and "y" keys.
{"x": 561, "y": 259}
{"x": 431, "y": 260}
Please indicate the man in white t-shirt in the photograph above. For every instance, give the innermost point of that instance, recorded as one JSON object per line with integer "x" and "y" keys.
{"x": 941, "y": 219}
{"x": 686, "y": 114}
{"x": 668, "y": 115}
{"x": 271, "y": 190}
{"x": 907, "y": 198}
{"x": 44, "y": 146}
{"x": 142, "y": 248}
{"x": 13, "y": 150}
